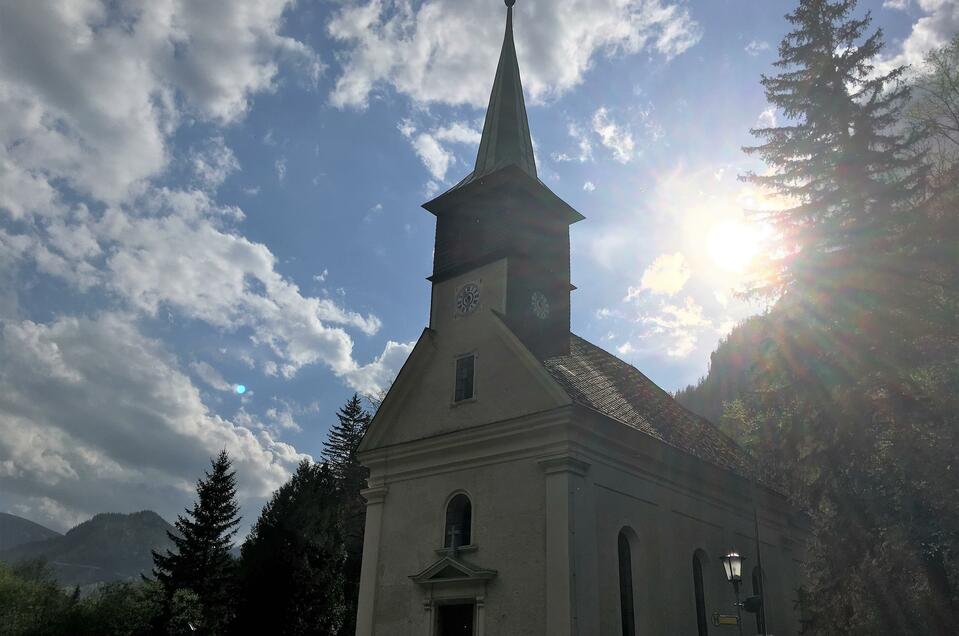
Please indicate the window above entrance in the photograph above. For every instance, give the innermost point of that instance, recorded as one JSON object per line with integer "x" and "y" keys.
{"x": 459, "y": 522}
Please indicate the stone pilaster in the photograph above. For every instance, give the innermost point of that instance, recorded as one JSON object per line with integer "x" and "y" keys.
{"x": 564, "y": 476}
{"x": 371, "y": 558}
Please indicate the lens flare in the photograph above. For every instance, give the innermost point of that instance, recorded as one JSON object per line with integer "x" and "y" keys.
{"x": 240, "y": 389}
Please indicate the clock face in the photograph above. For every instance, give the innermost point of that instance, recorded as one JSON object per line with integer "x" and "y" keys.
{"x": 467, "y": 298}
{"x": 540, "y": 305}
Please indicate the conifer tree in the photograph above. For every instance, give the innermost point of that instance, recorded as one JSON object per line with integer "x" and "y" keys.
{"x": 201, "y": 561}
{"x": 851, "y": 175}
{"x": 842, "y": 382}
{"x": 292, "y": 562}
{"x": 339, "y": 450}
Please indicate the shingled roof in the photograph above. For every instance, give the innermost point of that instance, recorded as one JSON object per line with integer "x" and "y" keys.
{"x": 599, "y": 380}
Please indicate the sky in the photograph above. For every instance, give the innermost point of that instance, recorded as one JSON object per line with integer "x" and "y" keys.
{"x": 198, "y": 196}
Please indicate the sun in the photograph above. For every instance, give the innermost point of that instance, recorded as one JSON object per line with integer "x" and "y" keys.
{"x": 733, "y": 245}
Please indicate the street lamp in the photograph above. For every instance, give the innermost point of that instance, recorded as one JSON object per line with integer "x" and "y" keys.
{"x": 733, "y": 564}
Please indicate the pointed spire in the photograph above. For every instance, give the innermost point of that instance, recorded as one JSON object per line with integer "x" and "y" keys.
{"x": 506, "y": 138}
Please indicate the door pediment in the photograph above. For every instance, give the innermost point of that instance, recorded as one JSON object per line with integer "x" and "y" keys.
{"x": 449, "y": 569}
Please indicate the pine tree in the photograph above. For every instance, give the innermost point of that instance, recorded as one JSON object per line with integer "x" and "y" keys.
{"x": 851, "y": 175}
{"x": 292, "y": 562}
{"x": 201, "y": 562}
{"x": 339, "y": 450}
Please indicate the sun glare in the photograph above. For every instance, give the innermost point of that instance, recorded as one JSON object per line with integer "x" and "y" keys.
{"x": 733, "y": 245}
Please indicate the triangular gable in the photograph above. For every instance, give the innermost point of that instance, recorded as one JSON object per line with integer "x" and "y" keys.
{"x": 402, "y": 418}
{"x": 530, "y": 362}
{"x": 405, "y": 380}
{"x": 449, "y": 569}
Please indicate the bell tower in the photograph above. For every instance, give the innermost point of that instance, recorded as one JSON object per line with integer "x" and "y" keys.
{"x": 502, "y": 210}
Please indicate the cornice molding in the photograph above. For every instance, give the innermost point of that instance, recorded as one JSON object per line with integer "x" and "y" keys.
{"x": 563, "y": 464}
{"x": 374, "y": 495}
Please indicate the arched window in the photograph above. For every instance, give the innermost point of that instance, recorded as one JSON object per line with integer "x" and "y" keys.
{"x": 699, "y": 559}
{"x": 459, "y": 521}
{"x": 758, "y": 591}
{"x": 626, "y": 608}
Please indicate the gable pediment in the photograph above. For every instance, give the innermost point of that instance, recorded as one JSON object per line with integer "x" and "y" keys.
{"x": 510, "y": 382}
{"x": 450, "y": 569}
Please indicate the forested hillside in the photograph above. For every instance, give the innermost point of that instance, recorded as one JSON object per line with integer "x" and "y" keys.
{"x": 108, "y": 547}
{"x": 16, "y": 531}
{"x": 729, "y": 368}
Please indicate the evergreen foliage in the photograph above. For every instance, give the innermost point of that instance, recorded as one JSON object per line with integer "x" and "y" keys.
{"x": 33, "y": 604}
{"x": 292, "y": 562}
{"x": 849, "y": 384}
{"x": 202, "y": 563}
{"x": 850, "y": 175}
{"x": 339, "y": 450}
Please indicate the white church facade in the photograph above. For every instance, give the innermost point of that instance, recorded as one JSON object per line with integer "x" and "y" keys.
{"x": 524, "y": 481}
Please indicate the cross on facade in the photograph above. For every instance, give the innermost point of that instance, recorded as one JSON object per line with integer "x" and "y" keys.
{"x": 454, "y": 532}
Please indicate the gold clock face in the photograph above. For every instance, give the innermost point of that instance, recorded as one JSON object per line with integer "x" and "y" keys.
{"x": 467, "y": 299}
{"x": 540, "y": 305}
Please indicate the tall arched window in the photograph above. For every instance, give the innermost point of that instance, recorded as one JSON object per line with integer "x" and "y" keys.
{"x": 699, "y": 559}
{"x": 626, "y": 608}
{"x": 758, "y": 591}
{"x": 459, "y": 521}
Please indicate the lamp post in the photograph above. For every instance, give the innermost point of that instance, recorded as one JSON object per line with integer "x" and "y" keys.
{"x": 733, "y": 564}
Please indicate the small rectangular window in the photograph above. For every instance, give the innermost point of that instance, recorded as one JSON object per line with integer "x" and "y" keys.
{"x": 464, "y": 379}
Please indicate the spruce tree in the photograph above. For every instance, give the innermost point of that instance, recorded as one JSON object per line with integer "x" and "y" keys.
{"x": 851, "y": 174}
{"x": 201, "y": 561}
{"x": 339, "y": 451}
{"x": 292, "y": 562}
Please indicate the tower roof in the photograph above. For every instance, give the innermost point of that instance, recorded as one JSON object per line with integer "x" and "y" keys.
{"x": 505, "y": 170}
{"x": 506, "y": 138}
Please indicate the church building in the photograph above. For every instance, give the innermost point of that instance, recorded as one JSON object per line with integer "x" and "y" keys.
{"x": 524, "y": 481}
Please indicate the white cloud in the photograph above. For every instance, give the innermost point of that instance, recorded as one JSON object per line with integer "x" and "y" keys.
{"x": 679, "y": 325}
{"x": 103, "y": 128}
{"x": 755, "y": 47}
{"x": 94, "y": 417}
{"x": 436, "y": 159}
{"x": 667, "y": 274}
{"x": 767, "y": 118}
{"x": 459, "y": 132}
{"x": 429, "y": 145}
{"x": 614, "y": 136}
{"x": 583, "y": 144}
{"x": 937, "y": 26}
{"x": 379, "y": 374}
{"x": 589, "y": 186}
{"x": 282, "y": 418}
{"x": 447, "y": 51}
{"x": 900, "y": 5}
{"x": 406, "y": 128}
{"x": 211, "y": 376}
{"x": 213, "y": 163}
{"x": 107, "y": 83}
{"x": 280, "y": 167}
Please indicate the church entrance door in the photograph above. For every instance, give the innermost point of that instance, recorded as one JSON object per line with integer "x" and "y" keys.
{"x": 455, "y": 620}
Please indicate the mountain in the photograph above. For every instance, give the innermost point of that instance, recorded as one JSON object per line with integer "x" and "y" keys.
{"x": 108, "y": 547}
{"x": 730, "y": 366}
{"x": 16, "y": 531}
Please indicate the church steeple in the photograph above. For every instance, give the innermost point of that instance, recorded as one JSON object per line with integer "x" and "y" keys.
{"x": 506, "y": 139}
{"x": 502, "y": 212}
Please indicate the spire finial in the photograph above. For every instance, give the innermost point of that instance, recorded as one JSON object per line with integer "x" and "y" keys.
{"x": 510, "y": 3}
